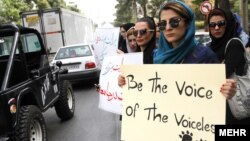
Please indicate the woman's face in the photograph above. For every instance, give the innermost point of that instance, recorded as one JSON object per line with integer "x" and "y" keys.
{"x": 217, "y": 26}
{"x": 144, "y": 34}
{"x": 176, "y": 32}
{"x": 132, "y": 42}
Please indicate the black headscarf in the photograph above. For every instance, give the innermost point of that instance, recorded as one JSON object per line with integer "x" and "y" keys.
{"x": 218, "y": 44}
{"x": 148, "y": 51}
{"x": 122, "y": 45}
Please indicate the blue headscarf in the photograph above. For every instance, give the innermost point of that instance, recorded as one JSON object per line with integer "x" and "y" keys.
{"x": 166, "y": 54}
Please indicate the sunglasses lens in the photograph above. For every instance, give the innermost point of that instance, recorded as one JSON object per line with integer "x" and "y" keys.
{"x": 135, "y": 32}
{"x": 212, "y": 24}
{"x": 174, "y": 23}
{"x": 143, "y": 31}
{"x": 219, "y": 24}
{"x": 162, "y": 25}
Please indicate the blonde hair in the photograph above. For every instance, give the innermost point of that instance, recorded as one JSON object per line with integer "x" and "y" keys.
{"x": 130, "y": 31}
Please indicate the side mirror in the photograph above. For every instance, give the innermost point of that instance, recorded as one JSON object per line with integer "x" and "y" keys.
{"x": 59, "y": 63}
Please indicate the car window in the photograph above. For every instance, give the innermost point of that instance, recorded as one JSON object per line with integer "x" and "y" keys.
{"x": 29, "y": 42}
{"x": 72, "y": 52}
{"x": 203, "y": 38}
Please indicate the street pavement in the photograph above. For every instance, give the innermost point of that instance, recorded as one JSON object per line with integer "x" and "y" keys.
{"x": 89, "y": 123}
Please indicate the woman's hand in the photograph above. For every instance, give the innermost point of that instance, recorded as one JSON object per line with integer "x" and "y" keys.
{"x": 118, "y": 51}
{"x": 121, "y": 80}
{"x": 228, "y": 89}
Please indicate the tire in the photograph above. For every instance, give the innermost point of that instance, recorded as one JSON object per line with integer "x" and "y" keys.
{"x": 65, "y": 106}
{"x": 31, "y": 125}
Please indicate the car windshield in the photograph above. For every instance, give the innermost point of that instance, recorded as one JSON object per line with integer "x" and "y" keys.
{"x": 72, "y": 52}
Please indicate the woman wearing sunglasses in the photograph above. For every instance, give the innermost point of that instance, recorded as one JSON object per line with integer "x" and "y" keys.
{"x": 177, "y": 42}
{"x": 144, "y": 31}
{"x": 222, "y": 28}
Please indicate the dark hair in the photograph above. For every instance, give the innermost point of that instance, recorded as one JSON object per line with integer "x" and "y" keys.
{"x": 127, "y": 26}
{"x": 148, "y": 52}
{"x": 176, "y": 7}
{"x": 230, "y": 21}
{"x": 217, "y": 12}
{"x": 218, "y": 44}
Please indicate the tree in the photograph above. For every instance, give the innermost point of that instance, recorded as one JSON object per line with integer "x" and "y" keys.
{"x": 42, "y": 4}
{"x": 10, "y": 10}
{"x": 143, "y": 4}
{"x": 57, "y": 3}
{"x": 196, "y": 8}
{"x": 126, "y": 10}
{"x": 123, "y": 12}
{"x": 154, "y": 7}
{"x": 73, "y": 8}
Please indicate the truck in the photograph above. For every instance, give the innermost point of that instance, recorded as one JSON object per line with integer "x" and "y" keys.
{"x": 59, "y": 27}
{"x": 29, "y": 85}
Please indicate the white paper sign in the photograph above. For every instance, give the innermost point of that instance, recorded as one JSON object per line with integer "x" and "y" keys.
{"x": 110, "y": 93}
{"x": 105, "y": 43}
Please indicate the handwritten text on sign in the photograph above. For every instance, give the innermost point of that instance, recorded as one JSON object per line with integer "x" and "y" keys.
{"x": 172, "y": 102}
{"x": 106, "y": 43}
{"x": 110, "y": 98}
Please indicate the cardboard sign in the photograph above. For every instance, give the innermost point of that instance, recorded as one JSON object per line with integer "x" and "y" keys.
{"x": 110, "y": 98}
{"x": 105, "y": 43}
{"x": 172, "y": 102}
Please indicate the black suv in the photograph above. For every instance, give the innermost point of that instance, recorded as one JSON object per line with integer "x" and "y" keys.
{"x": 29, "y": 85}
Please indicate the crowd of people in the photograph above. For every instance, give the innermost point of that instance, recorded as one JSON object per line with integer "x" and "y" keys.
{"x": 171, "y": 40}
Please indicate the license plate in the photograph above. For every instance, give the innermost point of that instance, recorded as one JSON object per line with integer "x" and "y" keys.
{"x": 72, "y": 67}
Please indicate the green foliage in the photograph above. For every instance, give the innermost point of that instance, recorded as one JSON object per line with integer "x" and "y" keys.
{"x": 42, "y": 4}
{"x": 10, "y": 10}
{"x": 199, "y": 24}
{"x": 73, "y": 8}
{"x": 57, "y": 3}
{"x": 125, "y": 12}
{"x": 196, "y": 9}
{"x": 154, "y": 7}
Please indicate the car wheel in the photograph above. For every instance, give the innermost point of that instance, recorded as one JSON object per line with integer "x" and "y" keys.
{"x": 65, "y": 106}
{"x": 31, "y": 125}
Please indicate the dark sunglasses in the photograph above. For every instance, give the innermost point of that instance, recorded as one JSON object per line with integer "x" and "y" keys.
{"x": 173, "y": 22}
{"x": 141, "y": 32}
{"x": 219, "y": 24}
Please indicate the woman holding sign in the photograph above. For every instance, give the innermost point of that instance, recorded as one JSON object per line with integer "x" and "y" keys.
{"x": 177, "y": 44}
{"x": 223, "y": 28}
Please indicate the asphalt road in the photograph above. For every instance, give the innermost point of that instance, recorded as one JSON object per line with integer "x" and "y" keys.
{"x": 89, "y": 123}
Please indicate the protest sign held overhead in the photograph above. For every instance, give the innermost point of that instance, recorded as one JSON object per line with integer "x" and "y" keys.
{"x": 105, "y": 43}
